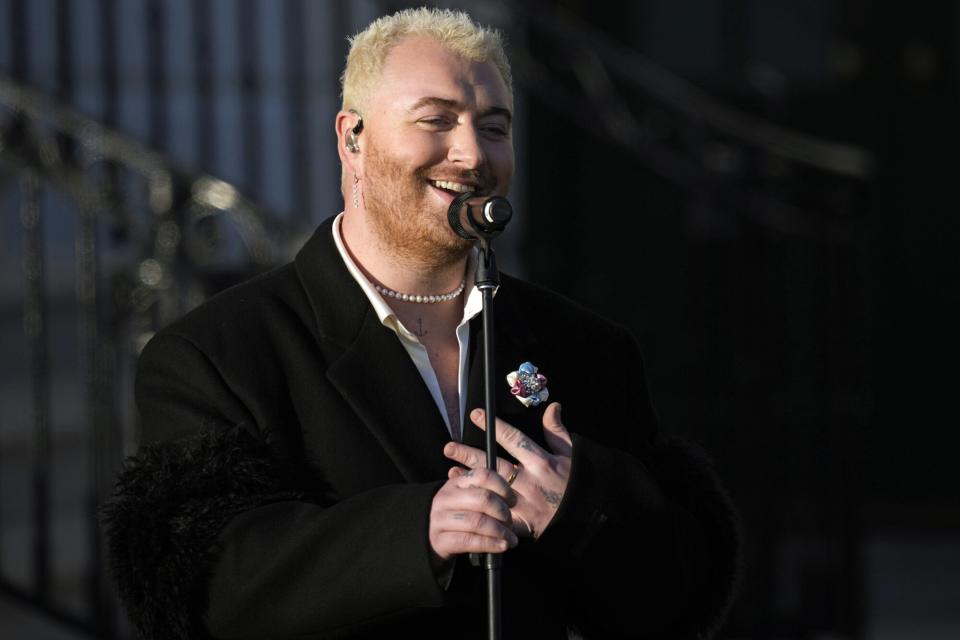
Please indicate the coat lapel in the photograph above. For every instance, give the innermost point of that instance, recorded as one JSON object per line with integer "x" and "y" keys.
{"x": 371, "y": 369}
{"x": 380, "y": 382}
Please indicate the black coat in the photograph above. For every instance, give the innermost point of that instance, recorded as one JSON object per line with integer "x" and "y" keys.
{"x": 291, "y": 454}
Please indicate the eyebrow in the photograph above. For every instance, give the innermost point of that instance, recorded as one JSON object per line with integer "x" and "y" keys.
{"x": 455, "y": 105}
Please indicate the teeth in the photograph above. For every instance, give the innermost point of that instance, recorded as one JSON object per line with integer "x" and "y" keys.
{"x": 452, "y": 186}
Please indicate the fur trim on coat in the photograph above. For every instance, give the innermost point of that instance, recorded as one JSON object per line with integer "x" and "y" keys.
{"x": 686, "y": 475}
{"x": 169, "y": 505}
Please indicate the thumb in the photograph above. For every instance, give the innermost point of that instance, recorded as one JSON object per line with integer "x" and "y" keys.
{"x": 556, "y": 435}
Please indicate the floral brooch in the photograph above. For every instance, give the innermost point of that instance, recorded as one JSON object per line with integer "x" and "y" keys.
{"x": 527, "y": 385}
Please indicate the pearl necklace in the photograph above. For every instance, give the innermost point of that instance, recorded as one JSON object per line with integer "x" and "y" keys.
{"x": 409, "y": 297}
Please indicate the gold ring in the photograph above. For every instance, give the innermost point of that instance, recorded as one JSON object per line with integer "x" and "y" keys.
{"x": 513, "y": 475}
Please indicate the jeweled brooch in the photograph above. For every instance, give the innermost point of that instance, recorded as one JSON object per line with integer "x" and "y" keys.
{"x": 528, "y": 385}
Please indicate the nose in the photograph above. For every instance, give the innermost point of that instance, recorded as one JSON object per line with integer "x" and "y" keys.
{"x": 466, "y": 147}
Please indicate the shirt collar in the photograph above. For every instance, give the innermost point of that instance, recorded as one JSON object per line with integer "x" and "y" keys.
{"x": 472, "y": 306}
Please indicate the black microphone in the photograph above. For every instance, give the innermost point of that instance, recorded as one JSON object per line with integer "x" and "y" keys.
{"x": 473, "y": 216}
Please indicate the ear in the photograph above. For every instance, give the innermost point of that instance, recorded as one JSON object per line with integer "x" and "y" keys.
{"x": 352, "y": 161}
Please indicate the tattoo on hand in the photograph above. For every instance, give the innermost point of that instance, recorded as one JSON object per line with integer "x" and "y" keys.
{"x": 468, "y": 473}
{"x": 552, "y": 497}
{"x": 459, "y": 516}
{"x": 526, "y": 443}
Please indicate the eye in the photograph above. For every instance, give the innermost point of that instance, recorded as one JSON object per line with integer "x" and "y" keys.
{"x": 435, "y": 122}
{"x": 495, "y": 130}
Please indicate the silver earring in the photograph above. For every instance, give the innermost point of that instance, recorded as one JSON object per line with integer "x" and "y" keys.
{"x": 356, "y": 201}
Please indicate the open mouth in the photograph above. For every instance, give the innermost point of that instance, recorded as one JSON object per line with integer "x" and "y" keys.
{"x": 451, "y": 189}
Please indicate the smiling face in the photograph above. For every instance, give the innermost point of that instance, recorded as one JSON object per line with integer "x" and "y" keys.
{"x": 437, "y": 125}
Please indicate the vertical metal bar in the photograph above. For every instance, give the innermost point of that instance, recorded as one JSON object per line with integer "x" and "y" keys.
{"x": 19, "y": 49}
{"x": 249, "y": 55}
{"x": 87, "y": 335}
{"x": 64, "y": 50}
{"x": 65, "y": 84}
{"x": 298, "y": 130}
{"x": 156, "y": 74}
{"x": 203, "y": 84}
{"x": 35, "y": 329}
{"x": 110, "y": 83}
{"x": 95, "y": 418}
{"x": 100, "y": 598}
{"x": 735, "y": 35}
{"x": 108, "y": 56}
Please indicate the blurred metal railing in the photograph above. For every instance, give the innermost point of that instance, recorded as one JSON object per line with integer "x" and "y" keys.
{"x": 115, "y": 239}
{"x": 150, "y": 241}
{"x": 689, "y": 137}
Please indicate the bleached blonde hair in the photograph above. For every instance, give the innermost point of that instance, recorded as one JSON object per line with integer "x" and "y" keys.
{"x": 454, "y": 30}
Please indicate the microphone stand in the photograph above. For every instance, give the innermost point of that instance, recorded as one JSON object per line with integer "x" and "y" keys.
{"x": 488, "y": 279}
{"x": 494, "y": 213}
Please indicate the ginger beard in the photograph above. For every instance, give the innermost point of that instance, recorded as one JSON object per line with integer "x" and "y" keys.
{"x": 408, "y": 221}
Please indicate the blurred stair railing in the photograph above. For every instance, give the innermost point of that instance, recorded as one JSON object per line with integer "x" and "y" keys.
{"x": 707, "y": 146}
{"x": 150, "y": 241}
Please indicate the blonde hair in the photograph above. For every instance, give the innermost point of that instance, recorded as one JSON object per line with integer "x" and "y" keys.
{"x": 453, "y": 29}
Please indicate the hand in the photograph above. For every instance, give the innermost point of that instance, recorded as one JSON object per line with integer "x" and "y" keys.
{"x": 471, "y": 514}
{"x": 542, "y": 476}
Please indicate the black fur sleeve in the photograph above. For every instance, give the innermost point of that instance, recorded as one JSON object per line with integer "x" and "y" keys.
{"x": 686, "y": 475}
{"x": 161, "y": 524}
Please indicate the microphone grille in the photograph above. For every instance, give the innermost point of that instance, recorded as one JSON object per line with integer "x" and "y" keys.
{"x": 453, "y": 216}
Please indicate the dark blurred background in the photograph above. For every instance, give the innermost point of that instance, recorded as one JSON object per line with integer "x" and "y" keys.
{"x": 762, "y": 190}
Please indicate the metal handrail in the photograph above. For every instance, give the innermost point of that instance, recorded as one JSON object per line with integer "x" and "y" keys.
{"x": 680, "y": 96}
{"x": 259, "y": 228}
{"x": 47, "y": 145}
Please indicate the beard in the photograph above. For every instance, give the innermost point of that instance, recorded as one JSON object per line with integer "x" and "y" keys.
{"x": 408, "y": 221}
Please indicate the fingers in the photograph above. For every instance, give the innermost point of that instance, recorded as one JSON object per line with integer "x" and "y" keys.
{"x": 467, "y": 517}
{"x": 523, "y": 448}
{"x": 475, "y": 459}
{"x": 516, "y": 442}
{"x": 466, "y": 455}
{"x": 450, "y": 543}
{"x": 489, "y": 481}
{"x": 542, "y": 481}
{"x": 477, "y": 524}
{"x": 473, "y": 507}
{"x": 556, "y": 435}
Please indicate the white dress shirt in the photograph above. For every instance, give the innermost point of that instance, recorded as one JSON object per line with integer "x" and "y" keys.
{"x": 416, "y": 350}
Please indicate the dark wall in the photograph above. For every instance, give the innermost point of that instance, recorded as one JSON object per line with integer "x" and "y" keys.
{"x": 795, "y": 320}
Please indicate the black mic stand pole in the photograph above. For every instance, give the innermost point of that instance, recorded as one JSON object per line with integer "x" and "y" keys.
{"x": 483, "y": 223}
{"x": 488, "y": 279}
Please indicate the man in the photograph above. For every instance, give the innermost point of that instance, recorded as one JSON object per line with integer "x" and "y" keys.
{"x": 313, "y": 465}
